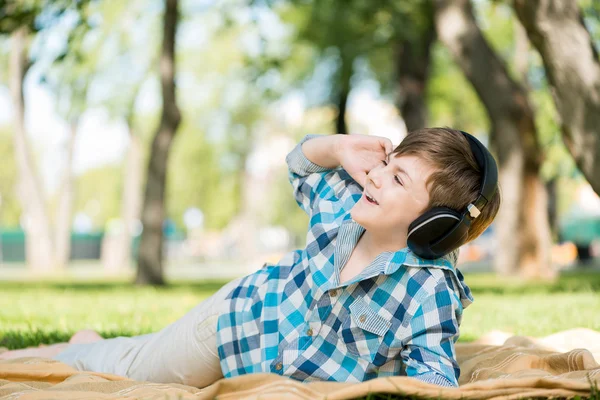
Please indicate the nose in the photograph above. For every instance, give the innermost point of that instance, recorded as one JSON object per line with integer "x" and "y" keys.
{"x": 375, "y": 177}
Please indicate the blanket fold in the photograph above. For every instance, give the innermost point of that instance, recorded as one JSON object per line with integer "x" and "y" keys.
{"x": 497, "y": 366}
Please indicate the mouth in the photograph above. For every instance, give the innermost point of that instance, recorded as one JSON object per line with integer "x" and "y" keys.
{"x": 370, "y": 199}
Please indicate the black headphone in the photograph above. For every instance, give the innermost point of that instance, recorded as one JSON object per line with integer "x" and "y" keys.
{"x": 441, "y": 229}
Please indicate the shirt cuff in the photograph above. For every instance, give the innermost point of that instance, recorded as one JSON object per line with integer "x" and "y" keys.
{"x": 299, "y": 164}
{"x": 435, "y": 379}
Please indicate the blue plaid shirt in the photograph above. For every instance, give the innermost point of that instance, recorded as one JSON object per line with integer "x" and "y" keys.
{"x": 399, "y": 316}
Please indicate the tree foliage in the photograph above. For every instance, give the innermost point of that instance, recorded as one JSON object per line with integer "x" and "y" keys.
{"x": 98, "y": 194}
{"x": 236, "y": 60}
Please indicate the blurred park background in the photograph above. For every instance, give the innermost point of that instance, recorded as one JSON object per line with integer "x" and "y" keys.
{"x": 144, "y": 142}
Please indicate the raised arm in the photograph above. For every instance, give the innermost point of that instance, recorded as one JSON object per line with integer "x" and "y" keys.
{"x": 314, "y": 164}
{"x": 323, "y": 150}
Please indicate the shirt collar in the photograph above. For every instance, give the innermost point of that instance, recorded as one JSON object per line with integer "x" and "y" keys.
{"x": 353, "y": 231}
{"x": 389, "y": 262}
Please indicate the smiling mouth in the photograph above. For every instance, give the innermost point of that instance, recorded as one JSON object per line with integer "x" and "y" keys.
{"x": 371, "y": 199}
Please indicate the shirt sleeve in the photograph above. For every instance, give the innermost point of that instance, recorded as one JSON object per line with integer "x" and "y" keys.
{"x": 429, "y": 353}
{"x": 312, "y": 182}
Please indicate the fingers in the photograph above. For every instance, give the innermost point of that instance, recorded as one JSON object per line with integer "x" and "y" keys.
{"x": 387, "y": 145}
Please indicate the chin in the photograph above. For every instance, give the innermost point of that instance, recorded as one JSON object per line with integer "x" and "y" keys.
{"x": 359, "y": 217}
{"x": 375, "y": 224}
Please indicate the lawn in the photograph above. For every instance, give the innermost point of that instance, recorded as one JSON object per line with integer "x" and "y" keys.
{"x": 47, "y": 312}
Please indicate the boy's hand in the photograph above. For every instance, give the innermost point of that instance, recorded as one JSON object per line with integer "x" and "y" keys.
{"x": 358, "y": 154}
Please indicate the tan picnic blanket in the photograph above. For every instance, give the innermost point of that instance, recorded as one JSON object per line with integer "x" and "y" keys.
{"x": 495, "y": 367}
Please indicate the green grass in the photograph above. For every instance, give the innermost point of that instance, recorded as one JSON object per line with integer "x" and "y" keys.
{"x": 532, "y": 309}
{"x": 48, "y": 312}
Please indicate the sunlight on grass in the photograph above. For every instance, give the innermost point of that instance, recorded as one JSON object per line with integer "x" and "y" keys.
{"x": 47, "y": 312}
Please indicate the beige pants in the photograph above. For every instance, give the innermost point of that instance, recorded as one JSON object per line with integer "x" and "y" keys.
{"x": 183, "y": 352}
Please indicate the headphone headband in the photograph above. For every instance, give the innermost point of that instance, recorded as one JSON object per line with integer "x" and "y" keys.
{"x": 489, "y": 173}
{"x": 441, "y": 230}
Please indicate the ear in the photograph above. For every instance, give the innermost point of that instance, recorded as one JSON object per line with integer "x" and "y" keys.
{"x": 426, "y": 230}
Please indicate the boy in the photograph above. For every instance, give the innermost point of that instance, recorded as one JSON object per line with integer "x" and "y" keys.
{"x": 356, "y": 303}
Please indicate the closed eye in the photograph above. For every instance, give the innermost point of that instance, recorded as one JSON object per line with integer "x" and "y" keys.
{"x": 395, "y": 176}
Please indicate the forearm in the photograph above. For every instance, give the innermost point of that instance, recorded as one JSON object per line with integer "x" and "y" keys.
{"x": 312, "y": 166}
{"x": 323, "y": 151}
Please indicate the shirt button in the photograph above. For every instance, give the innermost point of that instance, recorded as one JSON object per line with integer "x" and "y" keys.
{"x": 333, "y": 293}
{"x": 278, "y": 366}
{"x": 362, "y": 318}
{"x": 309, "y": 332}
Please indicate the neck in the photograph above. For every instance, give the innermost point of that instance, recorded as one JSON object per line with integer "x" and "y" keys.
{"x": 375, "y": 244}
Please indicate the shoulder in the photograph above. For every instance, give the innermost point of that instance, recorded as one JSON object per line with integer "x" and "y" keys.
{"x": 432, "y": 287}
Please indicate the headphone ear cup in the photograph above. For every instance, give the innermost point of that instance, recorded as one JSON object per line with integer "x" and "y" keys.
{"x": 433, "y": 225}
{"x": 453, "y": 239}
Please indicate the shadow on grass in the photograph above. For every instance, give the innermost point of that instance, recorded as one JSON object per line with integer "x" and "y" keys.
{"x": 108, "y": 286}
{"x": 487, "y": 283}
{"x": 21, "y": 339}
{"x": 18, "y": 339}
{"x": 480, "y": 283}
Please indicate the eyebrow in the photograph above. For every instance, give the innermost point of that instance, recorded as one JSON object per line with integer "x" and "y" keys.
{"x": 399, "y": 169}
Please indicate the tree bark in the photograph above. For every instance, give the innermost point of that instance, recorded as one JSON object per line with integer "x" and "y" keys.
{"x": 38, "y": 242}
{"x": 340, "y": 124}
{"x": 556, "y": 30}
{"x": 132, "y": 196}
{"x": 553, "y": 207}
{"x": 119, "y": 258}
{"x": 413, "y": 58}
{"x": 344, "y": 91}
{"x": 522, "y": 225}
{"x": 521, "y": 58}
{"x": 150, "y": 263}
{"x": 64, "y": 214}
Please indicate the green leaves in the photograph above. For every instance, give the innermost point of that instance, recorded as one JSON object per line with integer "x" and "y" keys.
{"x": 36, "y": 14}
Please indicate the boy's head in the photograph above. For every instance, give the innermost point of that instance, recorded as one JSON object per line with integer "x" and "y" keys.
{"x": 431, "y": 167}
{"x": 456, "y": 180}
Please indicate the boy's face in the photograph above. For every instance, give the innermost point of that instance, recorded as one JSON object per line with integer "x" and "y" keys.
{"x": 397, "y": 188}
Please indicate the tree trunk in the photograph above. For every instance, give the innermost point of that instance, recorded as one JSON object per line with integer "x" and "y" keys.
{"x": 521, "y": 58}
{"x": 553, "y": 207}
{"x": 340, "y": 124}
{"x": 38, "y": 242}
{"x": 132, "y": 197}
{"x": 120, "y": 255}
{"x": 413, "y": 59}
{"x": 344, "y": 91}
{"x": 522, "y": 224}
{"x": 117, "y": 247}
{"x": 64, "y": 212}
{"x": 247, "y": 223}
{"x": 150, "y": 263}
{"x": 556, "y": 30}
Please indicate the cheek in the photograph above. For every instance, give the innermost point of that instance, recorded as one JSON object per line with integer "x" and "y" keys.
{"x": 419, "y": 201}
{"x": 415, "y": 204}
{"x": 403, "y": 208}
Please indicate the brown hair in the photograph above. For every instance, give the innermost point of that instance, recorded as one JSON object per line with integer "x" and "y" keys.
{"x": 457, "y": 178}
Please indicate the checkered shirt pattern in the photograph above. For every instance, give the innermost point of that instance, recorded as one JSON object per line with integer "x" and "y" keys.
{"x": 399, "y": 316}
